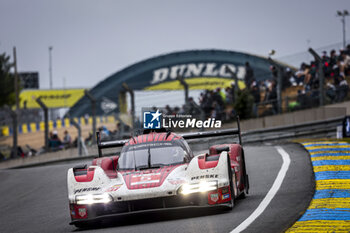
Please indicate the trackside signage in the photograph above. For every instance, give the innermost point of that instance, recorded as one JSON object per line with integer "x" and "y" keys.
{"x": 155, "y": 119}
{"x": 200, "y": 69}
{"x": 196, "y": 70}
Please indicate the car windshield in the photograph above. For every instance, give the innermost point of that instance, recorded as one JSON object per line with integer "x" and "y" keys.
{"x": 151, "y": 155}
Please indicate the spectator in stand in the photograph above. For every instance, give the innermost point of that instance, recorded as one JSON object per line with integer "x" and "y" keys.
{"x": 325, "y": 57}
{"x": 342, "y": 89}
{"x": 337, "y": 71}
{"x": 193, "y": 108}
{"x": 272, "y": 96}
{"x": 217, "y": 97}
{"x": 347, "y": 50}
{"x": 325, "y": 62}
{"x": 312, "y": 80}
{"x": 288, "y": 79}
{"x": 54, "y": 141}
{"x": 255, "y": 91}
{"x": 67, "y": 140}
{"x": 300, "y": 75}
{"x": 333, "y": 58}
{"x": 104, "y": 132}
{"x": 249, "y": 75}
{"x": 346, "y": 62}
{"x": 331, "y": 92}
{"x": 274, "y": 73}
{"x": 229, "y": 98}
{"x": 168, "y": 110}
{"x": 307, "y": 77}
{"x": 301, "y": 99}
{"x": 233, "y": 87}
{"x": 206, "y": 102}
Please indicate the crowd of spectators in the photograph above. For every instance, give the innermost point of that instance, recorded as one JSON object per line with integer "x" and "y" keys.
{"x": 336, "y": 67}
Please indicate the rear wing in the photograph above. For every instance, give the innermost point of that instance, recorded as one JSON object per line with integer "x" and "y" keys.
{"x": 108, "y": 144}
{"x": 216, "y": 133}
{"x": 195, "y": 135}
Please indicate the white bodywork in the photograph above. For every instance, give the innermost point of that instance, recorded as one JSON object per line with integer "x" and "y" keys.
{"x": 118, "y": 190}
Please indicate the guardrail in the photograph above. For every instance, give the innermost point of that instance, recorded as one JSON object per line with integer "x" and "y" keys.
{"x": 322, "y": 128}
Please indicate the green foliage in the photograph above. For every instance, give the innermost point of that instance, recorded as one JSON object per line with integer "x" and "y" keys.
{"x": 7, "y": 89}
{"x": 244, "y": 104}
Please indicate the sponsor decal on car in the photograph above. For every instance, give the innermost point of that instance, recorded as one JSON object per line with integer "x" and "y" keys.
{"x": 86, "y": 190}
{"x": 214, "y": 197}
{"x": 176, "y": 181}
{"x": 82, "y": 212}
{"x": 145, "y": 178}
{"x": 204, "y": 177}
{"x": 114, "y": 188}
{"x": 224, "y": 190}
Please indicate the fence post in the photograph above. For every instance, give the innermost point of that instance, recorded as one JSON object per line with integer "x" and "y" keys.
{"x": 185, "y": 85}
{"x": 77, "y": 126}
{"x": 320, "y": 74}
{"x": 13, "y": 115}
{"x": 279, "y": 83}
{"x": 234, "y": 76}
{"x": 93, "y": 111}
{"x": 46, "y": 120}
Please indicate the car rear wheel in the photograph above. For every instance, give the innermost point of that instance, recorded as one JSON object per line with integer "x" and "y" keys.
{"x": 233, "y": 184}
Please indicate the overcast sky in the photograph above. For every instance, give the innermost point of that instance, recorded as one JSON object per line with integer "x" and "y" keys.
{"x": 93, "y": 39}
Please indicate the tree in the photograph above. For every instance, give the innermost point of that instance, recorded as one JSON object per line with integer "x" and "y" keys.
{"x": 7, "y": 89}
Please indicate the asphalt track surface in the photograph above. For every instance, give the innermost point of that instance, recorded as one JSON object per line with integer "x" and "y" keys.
{"x": 35, "y": 200}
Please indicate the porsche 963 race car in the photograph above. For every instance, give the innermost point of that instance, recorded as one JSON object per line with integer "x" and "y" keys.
{"x": 157, "y": 170}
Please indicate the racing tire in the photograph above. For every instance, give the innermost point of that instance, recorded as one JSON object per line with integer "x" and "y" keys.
{"x": 245, "y": 181}
{"x": 246, "y": 188}
{"x": 232, "y": 184}
{"x": 81, "y": 225}
{"x": 86, "y": 225}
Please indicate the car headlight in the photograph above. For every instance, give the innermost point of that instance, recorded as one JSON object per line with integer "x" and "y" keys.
{"x": 203, "y": 186}
{"x": 93, "y": 198}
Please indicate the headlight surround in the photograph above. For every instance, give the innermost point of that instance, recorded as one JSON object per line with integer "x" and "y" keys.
{"x": 88, "y": 199}
{"x": 201, "y": 187}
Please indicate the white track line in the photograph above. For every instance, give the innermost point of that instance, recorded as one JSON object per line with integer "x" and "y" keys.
{"x": 269, "y": 196}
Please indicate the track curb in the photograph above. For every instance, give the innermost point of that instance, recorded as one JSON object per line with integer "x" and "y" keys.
{"x": 329, "y": 210}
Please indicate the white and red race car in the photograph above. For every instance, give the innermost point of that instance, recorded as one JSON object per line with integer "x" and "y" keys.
{"x": 157, "y": 170}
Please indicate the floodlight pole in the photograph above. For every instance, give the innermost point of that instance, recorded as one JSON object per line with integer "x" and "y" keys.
{"x": 50, "y": 65}
{"x": 16, "y": 78}
{"x": 132, "y": 96}
{"x": 46, "y": 120}
{"x": 14, "y": 114}
{"x": 343, "y": 15}
{"x": 50, "y": 75}
{"x": 320, "y": 74}
{"x": 93, "y": 112}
